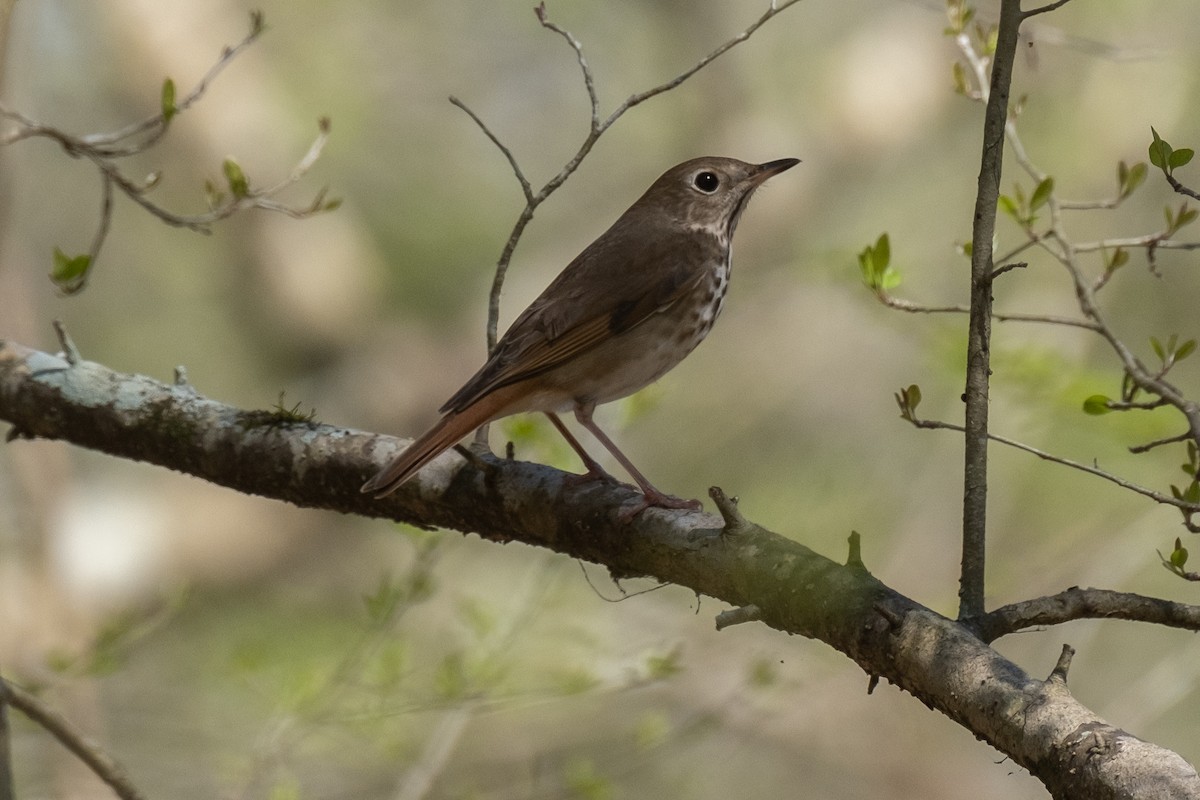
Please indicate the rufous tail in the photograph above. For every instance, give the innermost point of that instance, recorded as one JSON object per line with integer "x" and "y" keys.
{"x": 448, "y": 430}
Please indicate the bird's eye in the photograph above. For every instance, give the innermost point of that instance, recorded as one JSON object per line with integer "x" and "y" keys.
{"x": 706, "y": 181}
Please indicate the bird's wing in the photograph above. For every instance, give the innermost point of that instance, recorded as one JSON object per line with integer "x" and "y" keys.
{"x": 597, "y": 296}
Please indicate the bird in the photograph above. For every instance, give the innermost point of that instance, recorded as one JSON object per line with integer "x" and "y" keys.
{"x": 622, "y": 314}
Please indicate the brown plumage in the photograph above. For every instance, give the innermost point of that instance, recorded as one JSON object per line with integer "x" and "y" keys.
{"x": 623, "y": 313}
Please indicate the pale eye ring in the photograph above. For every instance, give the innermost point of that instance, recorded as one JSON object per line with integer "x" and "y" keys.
{"x": 706, "y": 181}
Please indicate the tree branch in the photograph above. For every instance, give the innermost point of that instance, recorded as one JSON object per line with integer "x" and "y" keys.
{"x": 270, "y": 453}
{"x": 99, "y": 762}
{"x": 1077, "y": 603}
{"x": 979, "y": 332}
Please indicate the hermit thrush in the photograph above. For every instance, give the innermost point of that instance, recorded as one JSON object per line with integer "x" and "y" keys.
{"x": 620, "y": 316}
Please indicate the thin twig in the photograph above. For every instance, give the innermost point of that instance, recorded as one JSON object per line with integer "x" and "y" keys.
{"x": 900, "y": 304}
{"x": 90, "y": 753}
{"x": 526, "y": 189}
{"x": 1033, "y": 12}
{"x": 105, "y": 149}
{"x": 1158, "y": 497}
{"x": 1148, "y": 446}
{"x": 1180, "y": 188}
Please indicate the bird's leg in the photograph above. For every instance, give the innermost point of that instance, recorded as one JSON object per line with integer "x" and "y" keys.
{"x": 651, "y": 497}
{"x": 595, "y": 472}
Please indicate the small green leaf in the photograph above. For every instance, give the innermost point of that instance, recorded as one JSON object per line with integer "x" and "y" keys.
{"x": 1180, "y": 157}
{"x": 1129, "y": 178}
{"x": 1186, "y": 215}
{"x": 332, "y": 205}
{"x": 913, "y": 393}
{"x": 168, "y": 100}
{"x": 1096, "y": 405}
{"x": 239, "y": 187}
{"x": 1160, "y": 151}
{"x": 1158, "y": 348}
{"x": 1179, "y": 557}
{"x": 959, "y": 77}
{"x": 1137, "y": 175}
{"x": 68, "y": 269}
{"x": 1041, "y": 194}
{"x": 883, "y": 251}
{"x": 1185, "y": 350}
{"x": 1120, "y": 258}
{"x": 1009, "y": 206}
{"x": 875, "y": 263}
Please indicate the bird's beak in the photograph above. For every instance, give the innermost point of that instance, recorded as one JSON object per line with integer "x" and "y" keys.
{"x": 764, "y": 171}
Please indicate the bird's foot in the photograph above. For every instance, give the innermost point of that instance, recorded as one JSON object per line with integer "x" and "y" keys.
{"x": 656, "y": 499}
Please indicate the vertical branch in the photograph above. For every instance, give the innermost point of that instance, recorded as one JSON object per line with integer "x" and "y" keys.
{"x": 971, "y": 581}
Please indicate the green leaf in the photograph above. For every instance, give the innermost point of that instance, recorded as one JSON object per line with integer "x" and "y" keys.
{"x": 1009, "y": 206}
{"x": 1041, "y": 194}
{"x": 1179, "y": 556}
{"x": 1185, "y": 350}
{"x": 883, "y": 251}
{"x": 959, "y": 76}
{"x": 1137, "y": 174}
{"x": 913, "y": 395}
{"x": 1160, "y": 151}
{"x": 68, "y": 269}
{"x": 1129, "y": 178}
{"x": 874, "y": 260}
{"x": 168, "y": 100}
{"x": 239, "y": 187}
{"x": 1158, "y": 348}
{"x": 1120, "y": 258}
{"x": 1186, "y": 215}
{"x": 1180, "y": 157}
{"x": 1096, "y": 405}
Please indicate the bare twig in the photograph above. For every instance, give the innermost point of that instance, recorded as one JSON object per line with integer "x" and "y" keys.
{"x": 99, "y": 762}
{"x": 1033, "y": 12}
{"x": 105, "y": 150}
{"x": 1148, "y": 446}
{"x": 900, "y": 304}
{"x": 1158, "y": 497}
{"x": 1181, "y": 189}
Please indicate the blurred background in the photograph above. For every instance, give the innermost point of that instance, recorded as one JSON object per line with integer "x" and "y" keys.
{"x": 231, "y": 646}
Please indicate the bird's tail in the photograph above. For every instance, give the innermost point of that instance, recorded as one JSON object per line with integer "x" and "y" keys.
{"x": 448, "y": 430}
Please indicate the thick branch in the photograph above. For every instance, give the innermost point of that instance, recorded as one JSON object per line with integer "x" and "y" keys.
{"x": 939, "y": 661}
